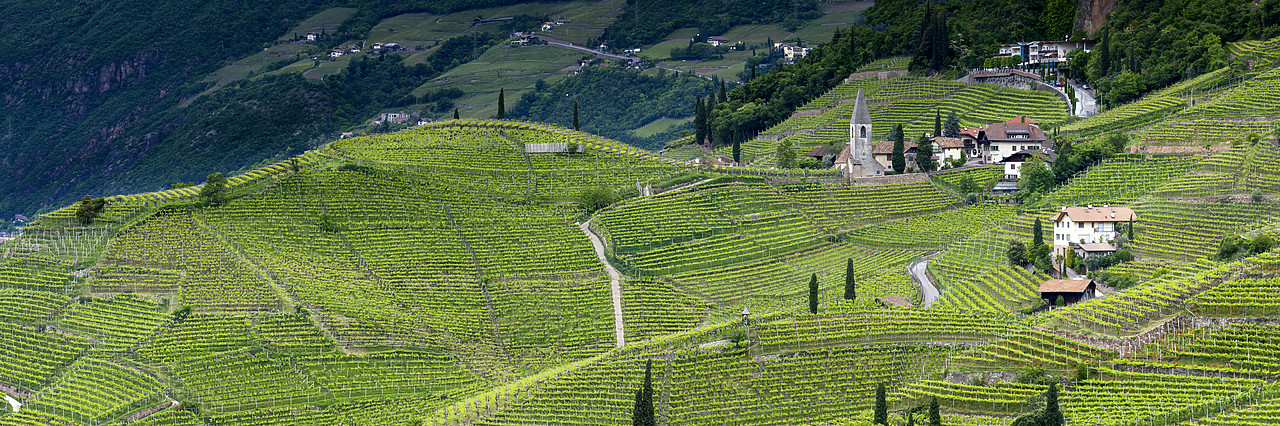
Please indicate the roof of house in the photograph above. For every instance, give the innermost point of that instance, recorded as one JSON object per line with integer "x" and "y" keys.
{"x": 843, "y": 158}
{"x": 1097, "y": 247}
{"x": 970, "y": 132}
{"x": 1096, "y": 214}
{"x": 1001, "y": 132}
{"x": 717, "y": 38}
{"x": 886, "y": 147}
{"x": 1025, "y": 154}
{"x": 945, "y": 142}
{"x": 894, "y": 300}
{"x": 819, "y": 152}
{"x": 1019, "y": 119}
{"x": 1065, "y": 286}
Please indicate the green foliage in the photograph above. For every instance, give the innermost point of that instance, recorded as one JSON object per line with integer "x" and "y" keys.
{"x": 215, "y": 188}
{"x": 813, "y": 294}
{"x": 881, "y": 410}
{"x": 850, "y": 283}
{"x": 181, "y": 314}
{"x": 89, "y": 209}
{"x": 1037, "y": 233}
{"x": 644, "y": 414}
{"x": 502, "y": 104}
{"x": 615, "y": 101}
{"x": 1060, "y": 302}
{"x": 968, "y": 185}
{"x": 925, "y": 155}
{"x": 1261, "y": 244}
{"x": 935, "y": 417}
{"x": 786, "y": 154}
{"x": 899, "y": 156}
{"x": 595, "y": 198}
{"x": 1016, "y": 253}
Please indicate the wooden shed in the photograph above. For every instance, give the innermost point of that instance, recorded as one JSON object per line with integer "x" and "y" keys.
{"x": 1072, "y": 291}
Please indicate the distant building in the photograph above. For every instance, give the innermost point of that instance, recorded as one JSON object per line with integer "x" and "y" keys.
{"x": 949, "y": 148}
{"x": 1089, "y": 224}
{"x": 395, "y": 117}
{"x": 1001, "y": 140}
{"x": 883, "y": 153}
{"x": 1047, "y": 54}
{"x": 313, "y": 36}
{"x": 1013, "y": 163}
{"x": 791, "y": 52}
{"x": 1071, "y": 291}
{"x": 20, "y": 218}
{"x": 717, "y": 40}
{"x": 856, "y": 160}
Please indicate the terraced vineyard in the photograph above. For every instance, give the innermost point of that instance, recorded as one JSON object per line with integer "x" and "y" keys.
{"x": 443, "y": 275}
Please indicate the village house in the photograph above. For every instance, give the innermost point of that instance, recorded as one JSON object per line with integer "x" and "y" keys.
{"x": 1047, "y": 54}
{"x": 395, "y": 117}
{"x": 883, "y": 153}
{"x": 791, "y": 52}
{"x": 970, "y": 138}
{"x": 1071, "y": 291}
{"x": 313, "y": 36}
{"x": 1088, "y": 225}
{"x": 1001, "y": 140}
{"x": 948, "y": 148}
{"x": 717, "y": 40}
{"x": 1013, "y": 164}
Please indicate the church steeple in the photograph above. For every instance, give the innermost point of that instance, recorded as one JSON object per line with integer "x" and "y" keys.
{"x": 860, "y": 138}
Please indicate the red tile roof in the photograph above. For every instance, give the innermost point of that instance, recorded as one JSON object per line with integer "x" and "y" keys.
{"x": 1065, "y": 286}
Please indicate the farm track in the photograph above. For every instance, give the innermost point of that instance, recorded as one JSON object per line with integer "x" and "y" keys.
{"x": 928, "y": 292}
{"x": 614, "y": 287}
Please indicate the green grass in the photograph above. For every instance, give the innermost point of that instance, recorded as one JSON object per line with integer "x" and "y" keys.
{"x": 660, "y": 125}
{"x": 329, "y": 20}
{"x": 515, "y": 69}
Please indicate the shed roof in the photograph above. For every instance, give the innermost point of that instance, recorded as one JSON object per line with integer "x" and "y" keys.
{"x": 1065, "y": 286}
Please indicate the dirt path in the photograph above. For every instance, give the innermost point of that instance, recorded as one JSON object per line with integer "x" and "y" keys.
{"x": 928, "y": 292}
{"x": 614, "y": 277}
{"x": 13, "y": 403}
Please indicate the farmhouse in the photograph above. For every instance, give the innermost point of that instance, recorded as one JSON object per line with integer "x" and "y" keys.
{"x": 1001, "y": 140}
{"x": 1087, "y": 224}
{"x": 1071, "y": 291}
{"x": 717, "y": 40}
{"x": 883, "y": 153}
{"x": 1047, "y": 54}
{"x": 1013, "y": 163}
{"x": 791, "y": 52}
{"x": 948, "y": 148}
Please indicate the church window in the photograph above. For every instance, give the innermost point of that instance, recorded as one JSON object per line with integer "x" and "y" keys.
{"x": 863, "y": 132}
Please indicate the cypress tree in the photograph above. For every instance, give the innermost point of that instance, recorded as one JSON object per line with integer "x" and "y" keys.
{"x": 643, "y": 414}
{"x": 850, "y": 287}
{"x": 455, "y": 113}
{"x": 813, "y": 294}
{"x": 699, "y": 121}
{"x": 899, "y": 157}
{"x": 502, "y": 104}
{"x": 1037, "y": 234}
{"x": 575, "y": 115}
{"x": 737, "y": 147}
{"x": 937, "y": 123}
{"x": 1130, "y": 228}
{"x": 881, "y": 416}
{"x": 924, "y": 154}
{"x": 724, "y": 96}
{"x": 935, "y": 418}
{"x": 1052, "y": 415}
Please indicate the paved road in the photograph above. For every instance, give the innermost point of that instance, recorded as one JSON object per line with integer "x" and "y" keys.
{"x": 13, "y": 403}
{"x": 614, "y": 276}
{"x": 1088, "y": 106}
{"x": 928, "y": 292}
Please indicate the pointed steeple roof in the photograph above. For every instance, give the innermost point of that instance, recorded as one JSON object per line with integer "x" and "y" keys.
{"x": 860, "y": 113}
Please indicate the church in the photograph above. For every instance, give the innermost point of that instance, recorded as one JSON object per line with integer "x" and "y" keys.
{"x": 856, "y": 160}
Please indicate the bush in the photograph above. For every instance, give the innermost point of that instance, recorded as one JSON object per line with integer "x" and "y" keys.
{"x": 1257, "y": 196}
{"x": 596, "y": 198}
{"x": 1123, "y": 281}
{"x": 1228, "y": 247}
{"x": 1262, "y": 243}
{"x": 1123, "y": 255}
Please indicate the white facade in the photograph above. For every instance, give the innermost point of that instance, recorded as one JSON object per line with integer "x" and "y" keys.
{"x": 1090, "y": 224}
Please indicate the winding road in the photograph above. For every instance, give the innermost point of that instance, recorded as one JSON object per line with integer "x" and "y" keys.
{"x": 13, "y": 403}
{"x": 928, "y": 292}
{"x": 614, "y": 277}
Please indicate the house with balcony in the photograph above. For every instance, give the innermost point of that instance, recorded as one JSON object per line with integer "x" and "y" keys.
{"x": 1075, "y": 226}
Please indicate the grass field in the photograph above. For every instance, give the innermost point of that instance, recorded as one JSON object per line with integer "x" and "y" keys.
{"x": 660, "y": 125}
{"x": 516, "y": 69}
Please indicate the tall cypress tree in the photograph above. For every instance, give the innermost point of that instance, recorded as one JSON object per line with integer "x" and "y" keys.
{"x": 924, "y": 154}
{"x": 643, "y": 413}
{"x": 935, "y": 417}
{"x": 455, "y": 113}
{"x": 850, "y": 287}
{"x": 881, "y": 416}
{"x": 575, "y": 115}
{"x": 699, "y": 121}
{"x": 1037, "y": 234}
{"x": 1130, "y": 228}
{"x": 1052, "y": 415}
{"x": 813, "y": 294}
{"x": 937, "y": 123}
{"x": 899, "y": 157}
{"x": 724, "y": 95}
{"x": 502, "y": 104}
{"x": 737, "y": 147}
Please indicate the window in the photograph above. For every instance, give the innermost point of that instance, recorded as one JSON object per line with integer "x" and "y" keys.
{"x": 863, "y": 132}
{"x": 1081, "y": 225}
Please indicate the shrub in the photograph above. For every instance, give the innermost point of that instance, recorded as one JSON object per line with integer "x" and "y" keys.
{"x": 1262, "y": 243}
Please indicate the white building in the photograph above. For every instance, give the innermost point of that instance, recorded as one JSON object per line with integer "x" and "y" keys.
{"x": 1089, "y": 224}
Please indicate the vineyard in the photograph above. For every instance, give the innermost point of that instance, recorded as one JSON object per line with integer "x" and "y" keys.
{"x": 461, "y": 273}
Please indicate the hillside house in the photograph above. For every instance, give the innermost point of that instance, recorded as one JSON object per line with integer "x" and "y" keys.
{"x": 970, "y": 138}
{"x": 1087, "y": 224}
{"x": 791, "y": 52}
{"x": 395, "y": 117}
{"x": 1001, "y": 140}
{"x": 717, "y": 40}
{"x": 1013, "y": 163}
{"x": 883, "y": 153}
{"x": 1071, "y": 291}
{"x": 948, "y": 148}
{"x": 313, "y": 36}
{"x": 1046, "y": 54}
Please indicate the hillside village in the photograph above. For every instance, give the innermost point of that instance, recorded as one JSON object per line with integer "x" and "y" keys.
{"x": 896, "y": 225}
